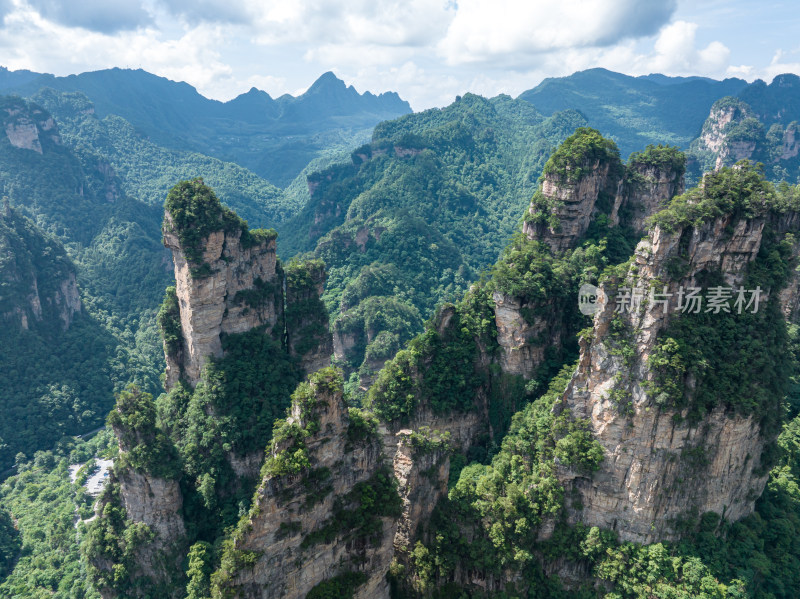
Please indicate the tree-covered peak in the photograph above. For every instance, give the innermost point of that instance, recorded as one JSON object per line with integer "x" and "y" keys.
{"x": 666, "y": 158}
{"x": 580, "y": 150}
{"x": 740, "y": 191}
{"x": 195, "y": 212}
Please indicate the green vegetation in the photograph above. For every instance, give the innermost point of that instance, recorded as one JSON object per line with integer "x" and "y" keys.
{"x": 580, "y": 151}
{"x": 439, "y": 367}
{"x": 114, "y": 540}
{"x": 42, "y": 543}
{"x": 147, "y": 170}
{"x": 428, "y": 203}
{"x": 504, "y": 503}
{"x": 634, "y": 111}
{"x": 169, "y": 322}
{"x": 358, "y": 514}
{"x": 143, "y": 446}
{"x": 661, "y": 157}
{"x": 740, "y": 191}
{"x": 274, "y": 138}
{"x": 362, "y": 426}
{"x": 231, "y": 410}
{"x": 10, "y": 544}
{"x": 339, "y": 587}
{"x": 761, "y": 135}
{"x": 199, "y": 571}
{"x": 196, "y": 212}
{"x": 62, "y": 382}
{"x": 305, "y": 315}
{"x": 740, "y": 360}
{"x": 56, "y": 381}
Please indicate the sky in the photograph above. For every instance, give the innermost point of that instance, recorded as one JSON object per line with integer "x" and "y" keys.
{"x": 428, "y": 51}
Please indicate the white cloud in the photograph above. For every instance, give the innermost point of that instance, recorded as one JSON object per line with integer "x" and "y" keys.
{"x": 95, "y": 15}
{"x": 427, "y": 50}
{"x": 30, "y": 41}
{"x": 779, "y": 65}
{"x": 512, "y": 31}
{"x": 676, "y": 52}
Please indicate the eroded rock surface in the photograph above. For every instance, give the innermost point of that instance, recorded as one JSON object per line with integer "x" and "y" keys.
{"x": 241, "y": 293}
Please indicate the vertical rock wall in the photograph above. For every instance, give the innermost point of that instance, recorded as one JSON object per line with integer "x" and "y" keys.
{"x": 647, "y": 482}
{"x": 241, "y": 293}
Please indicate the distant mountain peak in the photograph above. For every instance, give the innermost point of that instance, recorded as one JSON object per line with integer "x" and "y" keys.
{"x": 327, "y": 82}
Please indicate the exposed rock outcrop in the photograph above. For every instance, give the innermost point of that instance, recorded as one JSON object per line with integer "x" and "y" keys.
{"x": 306, "y": 316}
{"x": 242, "y": 292}
{"x": 654, "y": 185}
{"x": 523, "y": 344}
{"x": 572, "y": 201}
{"x": 27, "y": 125}
{"x": 659, "y": 466}
{"x": 39, "y": 278}
{"x": 298, "y": 526}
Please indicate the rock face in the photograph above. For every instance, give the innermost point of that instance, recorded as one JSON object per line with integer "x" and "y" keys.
{"x": 27, "y": 125}
{"x": 652, "y": 453}
{"x": 292, "y": 512}
{"x": 38, "y": 276}
{"x": 574, "y": 203}
{"x": 625, "y": 194}
{"x": 158, "y": 503}
{"x": 307, "y": 332}
{"x": 241, "y": 293}
{"x": 523, "y": 344}
{"x": 654, "y": 187}
{"x": 791, "y": 142}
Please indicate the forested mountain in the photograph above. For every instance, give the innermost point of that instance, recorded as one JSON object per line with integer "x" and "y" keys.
{"x": 635, "y": 111}
{"x": 479, "y": 431}
{"x": 53, "y": 355}
{"x": 274, "y": 138}
{"x": 760, "y": 124}
{"x": 146, "y": 170}
{"x": 417, "y": 213}
{"x": 469, "y": 469}
{"x": 119, "y": 266}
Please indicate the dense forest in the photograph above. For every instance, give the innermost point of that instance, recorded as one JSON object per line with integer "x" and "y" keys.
{"x": 422, "y": 215}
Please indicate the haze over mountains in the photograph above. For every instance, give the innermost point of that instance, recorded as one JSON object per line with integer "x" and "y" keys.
{"x": 274, "y": 138}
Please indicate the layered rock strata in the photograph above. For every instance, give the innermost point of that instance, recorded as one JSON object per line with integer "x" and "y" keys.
{"x": 293, "y": 528}
{"x": 241, "y": 292}
{"x": 643, "y": 488}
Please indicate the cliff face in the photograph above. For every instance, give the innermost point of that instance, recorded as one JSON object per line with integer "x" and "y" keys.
{"x": 572, "y": 201}
{"x": 734, "y": 131}
{"x": 302, "y": 524}
{"x": 661, "y": 466}
{"x": 306, "y": 317}
{"x": 27, "y": 126}
{"x": 241, "y": 292}
{"x": 39, "y": 279}
{"x": 654, "y": 185}
{"x": 583, "y": 182}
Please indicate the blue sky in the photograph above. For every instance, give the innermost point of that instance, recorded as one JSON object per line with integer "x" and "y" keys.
{"x": 427, "y": 50}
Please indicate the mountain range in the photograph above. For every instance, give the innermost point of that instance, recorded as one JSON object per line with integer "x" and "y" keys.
{"x": 398, "y": 213}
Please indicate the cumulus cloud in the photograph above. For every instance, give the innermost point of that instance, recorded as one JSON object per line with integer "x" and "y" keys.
{"x": 95, "y": 15}
{"x": 677, "y": 52}
{"x": 780, "y": 64}
{"x": 412, "y": 23}
{"x": 512, "y": 30}
{"x": 209, "y": 11}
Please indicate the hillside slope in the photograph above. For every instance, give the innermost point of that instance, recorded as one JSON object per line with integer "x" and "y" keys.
{"x": 275, "y": 138}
